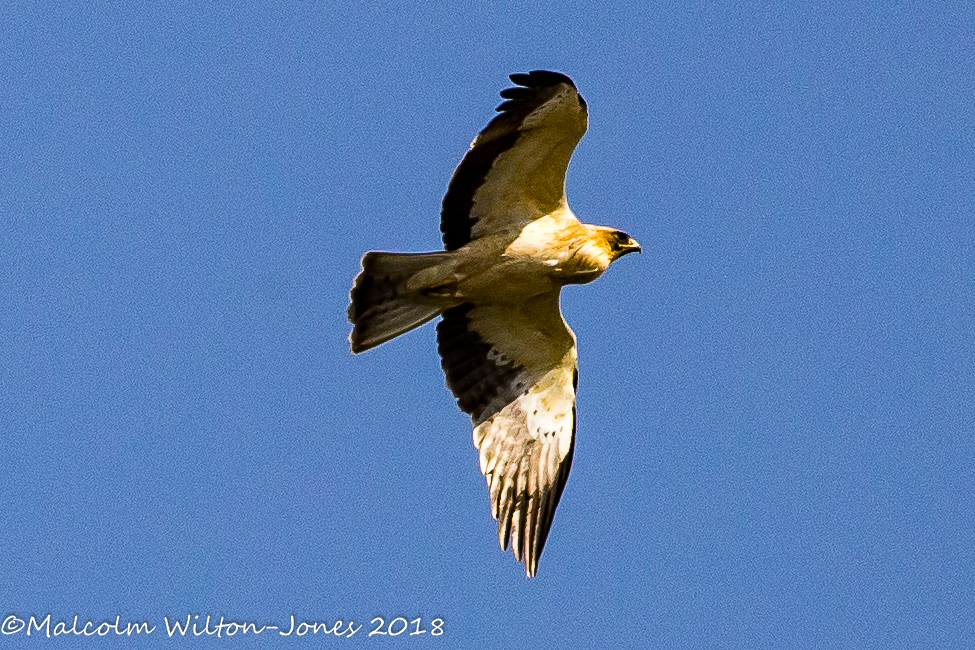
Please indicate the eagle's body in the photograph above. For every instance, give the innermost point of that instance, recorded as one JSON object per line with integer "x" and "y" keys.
{"x": 511, "y": 244}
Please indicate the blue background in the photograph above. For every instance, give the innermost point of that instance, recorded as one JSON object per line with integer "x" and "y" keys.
{"x": 776, "y": 400}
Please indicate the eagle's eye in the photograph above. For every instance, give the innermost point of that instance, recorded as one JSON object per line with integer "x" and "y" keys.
{"x": 620, "y": 240}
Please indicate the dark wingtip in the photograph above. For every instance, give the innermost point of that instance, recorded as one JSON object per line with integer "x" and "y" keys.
{"x": 540, "y": 79}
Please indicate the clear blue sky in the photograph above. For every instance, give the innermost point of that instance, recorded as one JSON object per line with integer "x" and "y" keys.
{"x": 775, "y": 442}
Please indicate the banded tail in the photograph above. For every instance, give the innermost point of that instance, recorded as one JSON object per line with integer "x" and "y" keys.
{"x": 381, "y": 307}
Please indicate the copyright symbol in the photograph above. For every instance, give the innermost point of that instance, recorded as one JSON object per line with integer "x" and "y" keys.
{"x": 12, "y": 625}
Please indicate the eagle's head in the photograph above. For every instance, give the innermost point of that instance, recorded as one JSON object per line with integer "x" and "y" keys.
{"x": 619, "y": 244}
{"x": 592, "y": 253}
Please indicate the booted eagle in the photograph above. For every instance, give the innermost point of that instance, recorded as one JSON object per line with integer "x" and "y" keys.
{"x": 511, "y": 243}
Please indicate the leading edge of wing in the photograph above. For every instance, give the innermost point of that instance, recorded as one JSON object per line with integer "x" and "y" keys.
{"x": 537, "y": 163}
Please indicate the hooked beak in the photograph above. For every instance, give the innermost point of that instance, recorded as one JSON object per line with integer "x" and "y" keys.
{"x": 632, "y": 247}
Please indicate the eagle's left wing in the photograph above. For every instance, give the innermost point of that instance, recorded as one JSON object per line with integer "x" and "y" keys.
{"x": 515, "y": 169}
{"x": 513, "y": 368}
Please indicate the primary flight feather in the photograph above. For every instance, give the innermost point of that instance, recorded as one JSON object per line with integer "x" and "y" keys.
{"x": 511, "y": 243}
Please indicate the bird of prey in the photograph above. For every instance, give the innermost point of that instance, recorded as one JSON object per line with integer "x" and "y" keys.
{"x": 511, "y": 243}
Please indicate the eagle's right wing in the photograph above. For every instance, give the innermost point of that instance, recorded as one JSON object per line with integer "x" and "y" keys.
{"x": 513, "y": 368}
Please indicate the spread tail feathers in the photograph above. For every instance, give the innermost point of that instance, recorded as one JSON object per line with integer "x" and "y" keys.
{"x": 381, "y": 307}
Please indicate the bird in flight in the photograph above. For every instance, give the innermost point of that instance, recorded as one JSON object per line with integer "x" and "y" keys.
{"x": 510, "y": 244}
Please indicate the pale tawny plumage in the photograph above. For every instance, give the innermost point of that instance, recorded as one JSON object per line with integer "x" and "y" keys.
{"x": 511, "y": 243}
